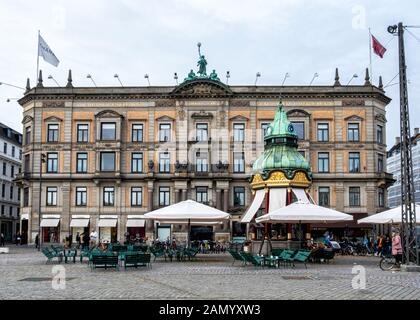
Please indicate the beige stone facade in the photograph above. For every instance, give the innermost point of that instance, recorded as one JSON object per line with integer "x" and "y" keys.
{"x": 234, "y": 117}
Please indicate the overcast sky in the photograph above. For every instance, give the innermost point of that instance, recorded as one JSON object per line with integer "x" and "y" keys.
{"x": 132, "y": 38}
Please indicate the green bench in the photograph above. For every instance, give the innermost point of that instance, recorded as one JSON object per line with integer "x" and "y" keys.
{"x": 190, "y": 253}
{"x": 236, "y": 257}
{"x": 104, "y": 261}
{"x": 137, "y": 259}
{"x": 157, "y": 253}
{"x": 302, "y": 256}
{"x": 287, "y": 257}
{"x": 257, "y": 261}
{"x": 70, "y": 253}
{"x": 51, "y": 254}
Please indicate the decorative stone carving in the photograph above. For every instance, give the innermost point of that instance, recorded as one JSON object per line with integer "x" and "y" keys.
{"x": 165, "y": 104}
{"x": 352, "y": 103}
{"x": 53, "y": 104}
{"x": 298, "y": 113}
{"x": 222, "y": 118}
{"x": 239, "y": 103}
{"x": 222, "y": 166}
{"x": 151, "y": 165}
{"x": 202, "y": 114}
{"x": 181, "y": 167}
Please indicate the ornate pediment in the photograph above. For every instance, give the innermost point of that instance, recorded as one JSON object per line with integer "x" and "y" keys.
{"x": 165, "y": 118}
{"x": 298, "y": 113}
{"x": 53, "y": 119}
{"x": 380, "y": 117}
{"x": 353, "y": 118}
{"x": 202, "y": 115}
{"x": 202, "y": 88}
{"x": 27, "y": 119}
{"x": 108, "y": 114}
{"x": 239, "y": 118}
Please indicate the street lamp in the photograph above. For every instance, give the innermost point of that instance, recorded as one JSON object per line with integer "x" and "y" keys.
{"x": 90, "y": 77}
{"x": 256, "y": 77}
{"x": 52, "y": 78}
{"x": 10, "y": 99}
{"x": 146, "y": 76}
{"x": 316, "y": 75}
{"x": 176, "y": 78}
{"x": 11, "y": 85}
{"x": 354, "y": 76}
{"x": 42, "y": 160}
{"x": 118, "y": 78}
{"x": 287, "y": 75}
{"x": 227, "y": 77}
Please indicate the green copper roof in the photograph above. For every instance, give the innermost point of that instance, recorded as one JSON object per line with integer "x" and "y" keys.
{"x": 280, "y": 150}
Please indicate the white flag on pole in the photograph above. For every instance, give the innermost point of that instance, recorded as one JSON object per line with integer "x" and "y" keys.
{"x": 45, "y": 52}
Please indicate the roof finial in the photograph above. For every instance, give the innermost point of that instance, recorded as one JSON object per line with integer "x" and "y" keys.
{"x": 39, "y": 84}
{"x": 381, "y": 85}
{"x": 69, "y": 80}
{"x": 367, "y": 78}
{"x": 28, "y": 85}
{"x": 337, "y": 78}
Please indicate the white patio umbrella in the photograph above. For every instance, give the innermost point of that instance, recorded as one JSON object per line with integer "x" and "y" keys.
{"x": 391, "y": 216}
{"x": 188, "y": 212}
{"x": 301, "y": 212}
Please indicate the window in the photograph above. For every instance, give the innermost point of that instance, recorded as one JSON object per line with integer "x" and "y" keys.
{"x": 238, "y": 196}
{"x": 137, "y": 133}
{"x": 264, "y": 127}
{"x": 353, "y": 132}
{"x": 109, "y": 196}
{"x": 201, "y": 161}
{"x": 323, "y": 132}
{"x": 25, "y": 197}
{"x": 10, "y": 211}
{"x": 379, "y": 134}
{"x": 164, "y": 132}
{"x": 302, "y": 153}
{"x": 18, "y": 194}
{"x": 3, "y": 190}
{"x": 51, "y": 196}
{"x": 354, "y": 162}
{"x": 13, "y": 151}
{"x": 201, "y": 194}
{"x": 380, "y": 162}
{"x": 81, "y": 162}
{"x": 28, "y": 135}
{"x": 381, "y": 197}
{"x": 52, "y": 162}
{"x": 136, "y": 196}
{"x": 108, "y": 130}
{"x": 164, "y": 162}
{"x": 12, "y": 171}
{"x": 5, "y": 148}
{"x": 107, "y": 161}
{"x": 4, "y": 168}
{"x": 324, "y": 196}
{"x": 2, "y": 209}
{"x": 52, "y": 135}
{"x": 238, "y": 132}
{"x": 238, "y": 162}
{"x": 81, "y": 196}
{"x": 299, "y": 128}
{"x": 354, "y": 196}
{"x": 323, "y": 162}
{"x": 137, "y": 162}
{"x": 201, "y": 132}
{"x": 20, "y": 154}
{"x": 27, "y": 164}
{"x": 164, "y": 196}
{"x": 11, "y": 192}
{"x": 82, "y": 133}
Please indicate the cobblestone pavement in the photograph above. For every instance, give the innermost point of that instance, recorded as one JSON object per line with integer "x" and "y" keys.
{"x": 24, "y": 275}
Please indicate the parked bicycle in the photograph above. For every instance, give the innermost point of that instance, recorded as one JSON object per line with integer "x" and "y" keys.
{"x": 388, "y": 263}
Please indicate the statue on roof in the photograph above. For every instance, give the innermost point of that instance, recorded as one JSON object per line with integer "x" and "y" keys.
{"x": 202, "y": 62}
{"x": 191, "y": 76}
{"x": 213, "y": 76}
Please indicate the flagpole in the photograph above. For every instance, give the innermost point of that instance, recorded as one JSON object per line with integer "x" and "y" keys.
{"x": 370, "y": 54}
{"x": 37, "y": 61}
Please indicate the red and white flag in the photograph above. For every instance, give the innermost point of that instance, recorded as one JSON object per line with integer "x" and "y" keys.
{"x": 378, "y": 48}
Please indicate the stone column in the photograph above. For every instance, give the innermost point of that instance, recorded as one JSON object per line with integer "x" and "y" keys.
{"x": 219, "y": 199}
{"x": 177, "y": 195}
{"x": 150, "y": 223}
{"x": 184, "y": 194}
{"x": 225, "y": 206}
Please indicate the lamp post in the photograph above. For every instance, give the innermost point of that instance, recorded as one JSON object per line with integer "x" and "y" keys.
{"x": 42, "y": 160}
{"x": 10, "y": 99}
{"x": 176, "y": 78}
{"x": 146, "y": 76}
{"x": 316, "y": 75}
{"x": 118, "y": 78}
{"x": 258, "y": 75}
{"x": 287, "y": 75}
{"x": 353, "y": 77}
{"x": 11, "y": 85}
{"x": 227, "y": 77}
{"x": 90, "y": 77}
{"x": 52, "y": 78}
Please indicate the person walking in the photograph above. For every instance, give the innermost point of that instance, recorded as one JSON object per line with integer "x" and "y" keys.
{"x": 78, "y": 240}
{"x": 86, "y": 239}
{"x": 397, "y": 247}
{"x": 37, "y": 241}
{"x": 2, "y": 240}
{"x": 380, "y": 245}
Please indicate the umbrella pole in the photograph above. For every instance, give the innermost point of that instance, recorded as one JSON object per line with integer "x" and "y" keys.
{"x": 189, "y": 233}
{"x": 300, "y": 234}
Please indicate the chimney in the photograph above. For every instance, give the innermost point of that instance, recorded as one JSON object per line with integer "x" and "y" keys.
{"x": 397, "y": 140}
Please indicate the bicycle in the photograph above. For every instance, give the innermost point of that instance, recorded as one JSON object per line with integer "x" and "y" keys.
{"x": 388, "y": 263}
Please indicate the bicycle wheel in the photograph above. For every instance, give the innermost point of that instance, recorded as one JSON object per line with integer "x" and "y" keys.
{"x": 387, "y": 263}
